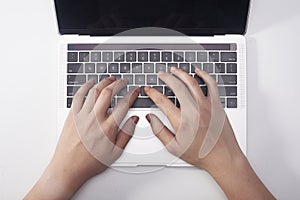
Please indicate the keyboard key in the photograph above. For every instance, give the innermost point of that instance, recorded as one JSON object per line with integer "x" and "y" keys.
{"x": 231, "y": 68}
{"x": 220, "y": 67}
{"x": 227, "y": 79}
{"x": 178, "y": 56}
{"x": 190, "y": 56}
{"x": 152, "y": 79}
{"x": 69, "y": 102}
{"x": 228, "y": 57}
{"x": 160, "y": 82}
{"x": 119, "y": 56}
{"x": 117, "y": 76}
{"x": 199, "y": 80}
{"x": 223, "y": 102}
{"x": 71, "y": 90}
{"x": 148, "y": 68}
{"x": 84, "y": 57}
{"x": 214, "y": 57}
{"x": 194, "y": 66}
{"x": 103, "y": 76}
{"x": 113, "y": 102}
{"x": 172, "y": 99}
{"x": 107, "y": 56}
{"x": 142, "y": 91}
{"x": 185, "y": 67}
{"x": 131, "y": 56}
{"x": 96, "y": 56}
{"x": 143, "y": 56}
{"x": 113, "y": 68}
{"x": 231, "y": 102}
{"x": 101, "y": 67}
{"x": 76, "y": 79}
{"x": 137, "y": 67}
{"x": 168, "y": 91}
{"x": 208, "y": 67}
{"x": 89, "y": 67}
{"x": 201, "y": 56}
{"x": 72, "y": 56}
{"x": 143, "y": 103}
{"x": 159, "y": 88}
{"x": 154, "y": 56}
{"x": 140, "y": 79}
{"x": 74, "y": 68}
{"x": 129, "y": 77}
{"x": 122, "y": 92}
{"x": 204, "y": 90}
{"x": 160, "y": 67}
{"x": 93, "y": 77}
{"x": 177, "y": 103}
{"x": 166, "y": 56}
{"x": 228, "y": 91}
{"x": 125, "y": 68}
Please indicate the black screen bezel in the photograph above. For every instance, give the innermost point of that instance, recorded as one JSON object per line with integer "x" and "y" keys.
{"x": 187, "y": 31}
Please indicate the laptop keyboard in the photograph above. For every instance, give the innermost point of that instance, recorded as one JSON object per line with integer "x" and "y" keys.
{"x": 140, "y": 67}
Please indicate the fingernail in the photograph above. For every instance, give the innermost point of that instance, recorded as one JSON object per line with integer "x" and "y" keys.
{"x": 135, "y": 119}
{"x": 197, "y": 69}
{"x": 173, "y": 69}
{"x": 146, "y": 88}
{"x": 160, "y": 73}
{"x": 148, "y": 117}
{"x": 91, "y": 81}
{"x": 112, "y": 78}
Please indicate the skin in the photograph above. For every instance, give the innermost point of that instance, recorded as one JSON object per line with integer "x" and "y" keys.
{"x": 72, "y": 164}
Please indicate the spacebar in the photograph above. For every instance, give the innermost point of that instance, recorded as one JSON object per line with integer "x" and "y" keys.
{"x": 143, "y": 103}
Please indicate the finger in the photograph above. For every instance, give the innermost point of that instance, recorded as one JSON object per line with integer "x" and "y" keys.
{"x": 79, "y": 96}
{"x": 190, "y": 82}
{"x": 210, "y": 82}
{"x": 181, "y": 91}
{"x": 122, "y": 107}
{"x": 162, "y": 133}
{"x": 104, "y": 100}
{"x": 94, "y": 94}
{"x": 126, "y": 132}
{"x": 165, "y": 105}
{"x": 104, "y": 83}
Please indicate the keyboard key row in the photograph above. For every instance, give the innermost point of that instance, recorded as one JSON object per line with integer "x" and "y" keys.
{"x": 149, "y": 79}
{"x": 227, "y": 91}
{"x": 148, "y": 103}
{"x": 149, "y": 67}
{"x": 152, "y": 56}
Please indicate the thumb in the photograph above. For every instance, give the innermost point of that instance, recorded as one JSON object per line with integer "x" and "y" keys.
{"x": 126, "y": 132}
{"x": 161, "y": 131}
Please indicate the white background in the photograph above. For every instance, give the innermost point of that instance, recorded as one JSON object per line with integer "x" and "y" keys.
{"x": 28, "y": 78}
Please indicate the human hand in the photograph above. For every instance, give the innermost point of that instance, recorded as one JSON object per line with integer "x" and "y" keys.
{"x": 90, "y": 140}
{"x": 203, "y": 135}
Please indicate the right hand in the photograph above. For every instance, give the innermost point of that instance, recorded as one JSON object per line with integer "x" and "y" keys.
{"x": 198, "y": 116}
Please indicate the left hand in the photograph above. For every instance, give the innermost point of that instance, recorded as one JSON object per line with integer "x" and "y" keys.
{"x": 73, "y": 164}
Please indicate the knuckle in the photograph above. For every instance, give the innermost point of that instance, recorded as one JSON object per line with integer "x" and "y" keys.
{"x": 107, "y": 92}
{"x": 194, "y": 83}
{"x": 159, "y": 99}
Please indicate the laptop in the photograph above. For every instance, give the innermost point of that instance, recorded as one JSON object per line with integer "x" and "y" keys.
{"x": 135, "y": 39}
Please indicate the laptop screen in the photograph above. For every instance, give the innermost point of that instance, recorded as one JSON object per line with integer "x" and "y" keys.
{"x": 191, "y": 17}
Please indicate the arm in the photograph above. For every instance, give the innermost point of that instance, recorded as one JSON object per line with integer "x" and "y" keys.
{"x": 203, "y": 134}
{"x": 74, "y": 161}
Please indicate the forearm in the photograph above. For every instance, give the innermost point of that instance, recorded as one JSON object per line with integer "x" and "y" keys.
{"x": 239, "y": 181}
{"x": 55, "y": 184}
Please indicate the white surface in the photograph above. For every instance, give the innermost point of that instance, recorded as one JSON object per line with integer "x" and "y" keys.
{"x": 28, "y": 128}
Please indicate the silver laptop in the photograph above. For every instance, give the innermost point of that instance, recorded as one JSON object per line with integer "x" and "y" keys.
{"x": 135, "y": 39}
